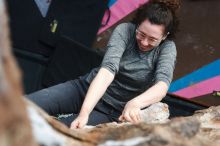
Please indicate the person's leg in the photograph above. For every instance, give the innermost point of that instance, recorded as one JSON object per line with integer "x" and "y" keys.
{"x": 95, "y": 118}
{"x": 102, "y": 113}
{"x": 62, "y": 98}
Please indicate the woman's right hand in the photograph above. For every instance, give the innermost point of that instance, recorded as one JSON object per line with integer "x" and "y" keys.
{"x": 79, "y": 122}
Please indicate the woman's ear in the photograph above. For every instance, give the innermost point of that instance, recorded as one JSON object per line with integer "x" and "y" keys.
{"x": 165, "y": 36}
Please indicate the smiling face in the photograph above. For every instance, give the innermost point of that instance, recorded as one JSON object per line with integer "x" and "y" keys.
{"x": 149, "y": 35}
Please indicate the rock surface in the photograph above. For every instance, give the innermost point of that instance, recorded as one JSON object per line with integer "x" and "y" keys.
{"x": 15, "y": 129}
{"x": 201, "y": 129}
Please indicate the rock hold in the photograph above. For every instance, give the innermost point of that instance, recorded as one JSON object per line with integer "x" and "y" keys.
{"x": 156, "y": 113}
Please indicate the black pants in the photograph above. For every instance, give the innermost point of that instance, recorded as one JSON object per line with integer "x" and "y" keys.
{"x": 67, "y": 98}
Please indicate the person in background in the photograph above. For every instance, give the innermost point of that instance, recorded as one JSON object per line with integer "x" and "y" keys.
{"x": 136, "y": 72}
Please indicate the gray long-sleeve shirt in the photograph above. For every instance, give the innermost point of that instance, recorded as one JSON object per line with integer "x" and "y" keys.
{"x": 135, "y": 71}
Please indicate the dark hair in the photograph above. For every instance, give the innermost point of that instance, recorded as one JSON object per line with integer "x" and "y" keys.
{"x": 158, "y": 13}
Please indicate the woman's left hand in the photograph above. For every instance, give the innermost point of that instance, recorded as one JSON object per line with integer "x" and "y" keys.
{"x": 131, "y": 112}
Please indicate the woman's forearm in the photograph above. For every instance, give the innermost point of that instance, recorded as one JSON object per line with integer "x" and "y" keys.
{"x": 152, "y": 95}
{"x": 96, "y": 90}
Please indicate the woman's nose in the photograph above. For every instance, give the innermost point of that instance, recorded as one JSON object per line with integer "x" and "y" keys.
{"x": 145, "y": 42}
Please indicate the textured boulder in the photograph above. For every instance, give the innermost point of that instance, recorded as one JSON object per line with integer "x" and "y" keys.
{"x": 15, "y": 129}
{"x": 201, "y": 129}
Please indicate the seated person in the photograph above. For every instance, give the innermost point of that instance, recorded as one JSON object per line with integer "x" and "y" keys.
{"x": 136, "y": 72}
